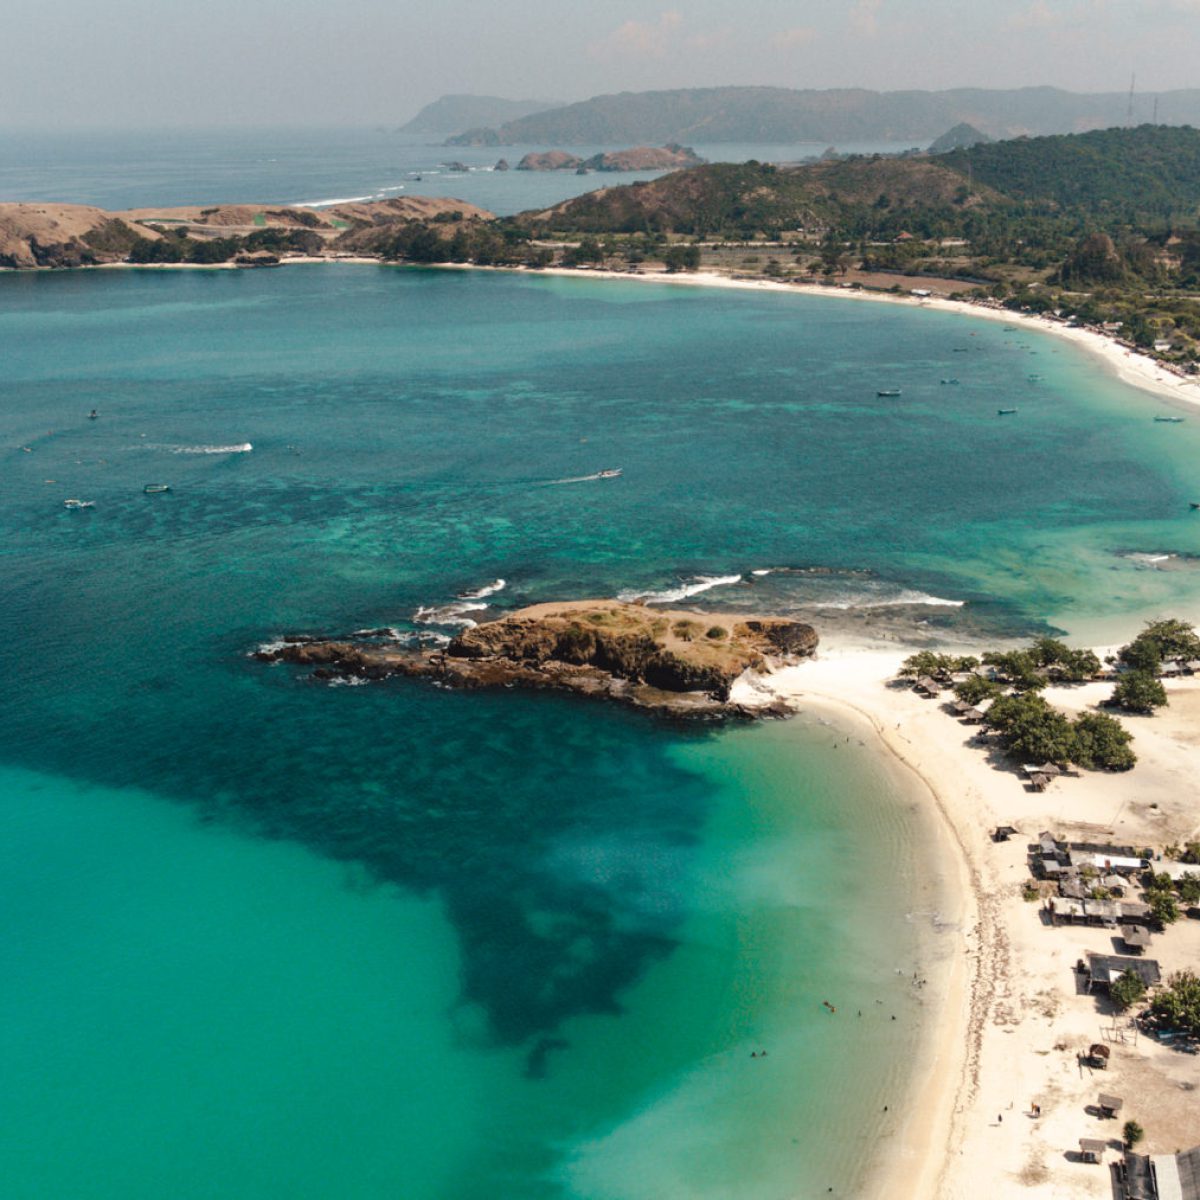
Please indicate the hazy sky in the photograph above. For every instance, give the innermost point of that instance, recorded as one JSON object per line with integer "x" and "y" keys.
{"x": 264, "y": 62}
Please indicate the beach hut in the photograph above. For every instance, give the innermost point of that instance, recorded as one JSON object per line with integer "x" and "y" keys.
{"x": 1098, "y": 1055}
{"x": 1136, "y": 940}
{"x": 1109, "y": 1104}
{"x": 928, "y": 687}
{"x": 1004, "y": 832}
{"x": 972, "y": 716}
{"x": 1039, "y": 782}
{"x": 1091, "y": 1150}
{"x": 1104, "y": 968}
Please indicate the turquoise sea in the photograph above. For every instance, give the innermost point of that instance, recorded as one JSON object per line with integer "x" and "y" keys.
{"x": 268, "y": 937}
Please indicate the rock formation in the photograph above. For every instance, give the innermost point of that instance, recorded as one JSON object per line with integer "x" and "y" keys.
{"x": 684, "y": 663}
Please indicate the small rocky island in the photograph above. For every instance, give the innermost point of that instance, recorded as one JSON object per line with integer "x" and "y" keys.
{"x": 672, "y": 157}
{"x": 678, "y": 662}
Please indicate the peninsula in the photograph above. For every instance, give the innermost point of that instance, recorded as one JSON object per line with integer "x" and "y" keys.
{"x": 672, "y": 661}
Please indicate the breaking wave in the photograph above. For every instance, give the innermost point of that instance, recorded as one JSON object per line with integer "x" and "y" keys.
{"x": 693, "y": 587}
{"x": 900, "y": 600}
{"x": 488, "y": 589}
{"x": 448, "y": 614}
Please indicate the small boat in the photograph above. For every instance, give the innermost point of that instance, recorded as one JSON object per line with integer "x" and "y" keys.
{"x": 946, "y": 381}
{"x": 93, "y": 415}
{"x": 1196, "y": 503}
{"x": 610, "y": 473}
{"x": 1034, "y": 378}
{"x": 79, "y": 504}
{"x": 961, "y": 349}
{"x": 152, "y": 489}
{"x": 1005, "y": 412}
{"x": 1170, "y": 420}
{"x": 889, "y": 392}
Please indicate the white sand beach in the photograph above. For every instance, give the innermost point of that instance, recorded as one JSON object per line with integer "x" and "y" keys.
{"x": 1011, "y": 1024}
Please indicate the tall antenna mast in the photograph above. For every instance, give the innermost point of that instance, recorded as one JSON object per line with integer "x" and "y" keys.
{"x": 1129, "y": 113}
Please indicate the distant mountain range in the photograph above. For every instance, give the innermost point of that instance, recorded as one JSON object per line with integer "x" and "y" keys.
{"x": 764, "y": 114}
{"x": 452, "y": 113}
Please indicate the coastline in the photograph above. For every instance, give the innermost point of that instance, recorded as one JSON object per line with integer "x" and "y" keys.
{"x": 1007, "y": 1022}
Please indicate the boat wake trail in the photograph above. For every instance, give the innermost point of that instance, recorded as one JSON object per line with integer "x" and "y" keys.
{"x": 583, "y": 478}
{"x": 236, "y": 448}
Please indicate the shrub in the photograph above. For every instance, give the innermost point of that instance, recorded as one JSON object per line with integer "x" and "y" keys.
{"x": 1133, "y": 1133}
{"x": 716, "y": 633}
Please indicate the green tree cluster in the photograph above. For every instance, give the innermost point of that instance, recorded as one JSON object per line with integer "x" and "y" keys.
{"x": 1160, "y": 896}
{"x": 936, "y": 666}
{"x": 1138, "y": 692}
{"x": 1159, "y": 642}
{"x": 1177, "y": 1006}
{"x": 1035, "y": 731}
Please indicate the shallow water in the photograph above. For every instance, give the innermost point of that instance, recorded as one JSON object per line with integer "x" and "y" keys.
{"x": 270, "y": 936}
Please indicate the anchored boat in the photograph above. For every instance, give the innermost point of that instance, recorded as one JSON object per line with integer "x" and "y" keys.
{"x": 1005, "y": 412}
{"x": 890, "y": 392}
{"x": 152, "y": 489}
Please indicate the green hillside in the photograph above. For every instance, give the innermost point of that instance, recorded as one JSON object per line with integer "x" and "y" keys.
{"x": 1150, "y": 170}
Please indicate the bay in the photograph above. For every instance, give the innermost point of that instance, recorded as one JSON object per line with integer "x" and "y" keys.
{"x": 271, "y": 936}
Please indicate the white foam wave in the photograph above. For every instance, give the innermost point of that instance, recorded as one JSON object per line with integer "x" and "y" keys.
{"x": 1150, "y": 560}
{"x": 267, "y": 648}
{"x": 694, "y": 586}
{"x": 448, "y": 614}
{"x": 488, "y": 589}
{"x": 901, "y": 600}
{"x": 330, "y": 203}
{"x": 348, "y": 681}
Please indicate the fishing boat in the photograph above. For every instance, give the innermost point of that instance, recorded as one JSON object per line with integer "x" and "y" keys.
{"x": 890, "y": 392}
{"x": 79, "y": 504}
{"x": 611, "y": 473}
{"x": 1170, "y": 420}
{"x": 946, "y": 381}
{"x": 1005, "y": 412}
{"x": 152, "y": 489}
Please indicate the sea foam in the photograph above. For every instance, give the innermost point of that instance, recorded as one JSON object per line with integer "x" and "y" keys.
{"x": 693, "y": 587}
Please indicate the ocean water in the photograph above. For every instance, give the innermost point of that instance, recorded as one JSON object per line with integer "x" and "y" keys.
{"x": 135, "y": 169}
{"x": 270, "y": 937}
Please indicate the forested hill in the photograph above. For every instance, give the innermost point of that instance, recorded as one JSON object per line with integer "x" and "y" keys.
{"x": 765, "y": 114}
{"x": 1154, "y": 169}
{"x": 728, "y": 197}
{"x": 1149, "y": 174}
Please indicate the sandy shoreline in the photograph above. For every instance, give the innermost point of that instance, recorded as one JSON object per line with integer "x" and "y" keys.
{"x": 1008, "y": 1023}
